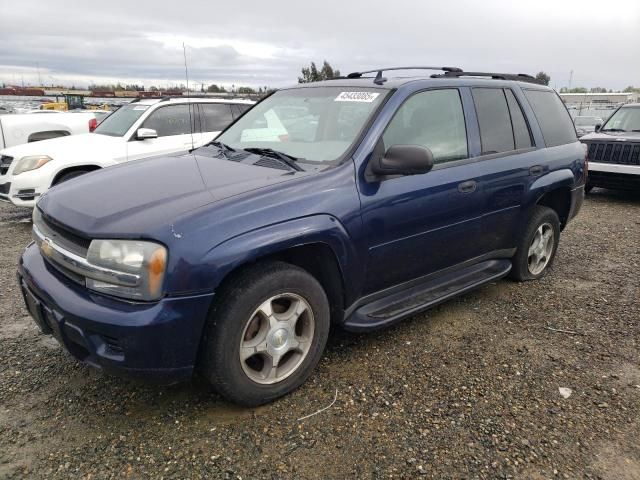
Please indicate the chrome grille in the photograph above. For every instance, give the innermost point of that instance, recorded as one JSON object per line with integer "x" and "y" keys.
{"x": 615, "y": 152}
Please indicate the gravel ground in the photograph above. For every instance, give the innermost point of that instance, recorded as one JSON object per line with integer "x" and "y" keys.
{"x": 468, "y": 390}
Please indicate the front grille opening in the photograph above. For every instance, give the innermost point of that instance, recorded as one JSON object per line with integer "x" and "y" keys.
{"x": 5, "y": 163}
{"x": 112, "y": 346}
{"x": 618, "y": 153}
{"x": 26, "y": 194}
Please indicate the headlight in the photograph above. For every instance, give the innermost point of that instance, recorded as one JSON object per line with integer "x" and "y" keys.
{"x": 30, "y": 163}
{"x": 148, "y": 260}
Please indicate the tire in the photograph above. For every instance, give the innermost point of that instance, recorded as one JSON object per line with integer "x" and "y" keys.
{"x": 237, "y": 322}
{"x": 69, "y": 175}
{"x": 524, "y": 266}
{"x": 588, "y": 188}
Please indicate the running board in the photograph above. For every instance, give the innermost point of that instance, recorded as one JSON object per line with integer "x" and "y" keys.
{"x": 397, "y": 306}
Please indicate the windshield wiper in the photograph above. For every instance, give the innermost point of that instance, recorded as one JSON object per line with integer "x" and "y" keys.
{"x": 635, "y": 130}
{"x": 288, "y": 160}
{"x": 613, "y": 130}
{"x": 223, "y": 147}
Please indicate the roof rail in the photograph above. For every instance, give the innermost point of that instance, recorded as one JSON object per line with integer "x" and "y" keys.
{"x": 519, "y": 77}
{"x": 379, "y": 80}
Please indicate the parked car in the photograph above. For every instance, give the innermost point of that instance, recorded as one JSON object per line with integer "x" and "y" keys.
{"x": 614, "y": 151}
{"x": 140, "y": 129}
{"x": 20, "y": 128}
{"x": 234, "y": 260}
{"x": 586, "y": 124}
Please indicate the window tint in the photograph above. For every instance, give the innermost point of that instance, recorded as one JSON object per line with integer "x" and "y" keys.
{"x": 521, "y": 133}
{"x": 496, "y": 134}
{"x": 553, "y": 118}
{"x": 239, "y": 109}
{"x": 433, "y": 119}
{"x": 168, "y": 121}
{"x": 215, "y": 116}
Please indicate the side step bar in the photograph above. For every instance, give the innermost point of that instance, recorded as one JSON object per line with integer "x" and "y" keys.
{"x": 397, "y": 306}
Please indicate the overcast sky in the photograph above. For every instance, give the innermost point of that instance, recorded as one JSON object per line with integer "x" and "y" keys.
{"x": 260, "y": 43}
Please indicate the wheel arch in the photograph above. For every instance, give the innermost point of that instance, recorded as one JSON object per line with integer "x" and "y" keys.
{"x": 554, "y": 191}
{"x": 318, "y": 244}
{"x": 75, "y": 168}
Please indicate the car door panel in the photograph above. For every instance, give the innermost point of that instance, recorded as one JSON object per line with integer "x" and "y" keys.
{"x": 416, "y": 225}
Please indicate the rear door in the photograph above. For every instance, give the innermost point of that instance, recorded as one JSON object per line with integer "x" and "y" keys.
{"x": 505, "y": 164}
{"x": 418, "y": 224}
{"x": 215, "y": 117}
{"x": 176, "y": 134}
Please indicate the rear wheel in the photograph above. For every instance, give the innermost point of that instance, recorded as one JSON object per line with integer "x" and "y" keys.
{"x": 538, "y": 245}
{"x": 265, "y": 334}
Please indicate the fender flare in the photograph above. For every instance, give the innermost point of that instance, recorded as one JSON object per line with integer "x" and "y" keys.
{"x": 551, "y": 181}
{"x": 272, "y": 239}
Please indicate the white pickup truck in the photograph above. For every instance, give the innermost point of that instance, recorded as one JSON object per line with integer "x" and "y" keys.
{"x": 19, "y": 128}
{"x": 140, "y": 129}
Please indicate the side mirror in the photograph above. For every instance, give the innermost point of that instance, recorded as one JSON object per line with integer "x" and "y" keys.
{"x": 598, "y": 127}
{"x": 404, "y": 160}
{"x": 146, "y": 133}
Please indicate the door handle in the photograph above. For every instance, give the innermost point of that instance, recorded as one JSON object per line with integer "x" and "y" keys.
{"x": 536, "y": 170}
{"x": 468, "y": 186}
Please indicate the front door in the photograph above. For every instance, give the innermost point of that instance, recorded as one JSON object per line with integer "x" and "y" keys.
{"x": 172, "y": 124}
{"x": 416, "y": 225}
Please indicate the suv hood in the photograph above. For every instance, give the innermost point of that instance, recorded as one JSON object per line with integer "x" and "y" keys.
{"x": 82, "y": 147}
{"x": 612, "y": 136}
{"x": 136, "y": 199}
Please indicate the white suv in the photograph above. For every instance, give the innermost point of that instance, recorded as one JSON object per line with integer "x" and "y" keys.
{"x": 140, "y": 129}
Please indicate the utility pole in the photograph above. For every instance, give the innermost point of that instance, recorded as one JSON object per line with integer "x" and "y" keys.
{"x": 570, "y": 78}
{"x": 39, "y": 79}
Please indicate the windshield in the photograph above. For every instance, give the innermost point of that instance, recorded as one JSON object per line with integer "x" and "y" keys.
{"x": 316, "y": 124}
{"x": 120, "y": 121}
{"x": 587, "y": 121}
{"x": 624, "y": 120}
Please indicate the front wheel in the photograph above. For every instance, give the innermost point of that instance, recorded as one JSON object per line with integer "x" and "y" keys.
{"x": 265, "y": 334}
{"x": 538, "y": 246}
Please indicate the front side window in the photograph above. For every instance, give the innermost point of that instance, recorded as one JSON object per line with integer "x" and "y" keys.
{"x": 215, "y": 116}
{"x": 553, "y": 118}
{"x": 171, "y": 120}
{"x": 624, "y": 120}
{"x": 313, "y": 124}
{"x": 433, "y": 119}
{"x": 120, "y": 121}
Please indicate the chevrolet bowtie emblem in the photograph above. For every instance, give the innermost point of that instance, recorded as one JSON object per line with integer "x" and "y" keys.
{"x": 47, "y": 247}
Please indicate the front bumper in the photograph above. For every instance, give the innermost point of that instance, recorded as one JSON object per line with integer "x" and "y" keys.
{"x": 157, "y": 341}
{"x": 20, "y": 190}
{"x": 615, "y": 176}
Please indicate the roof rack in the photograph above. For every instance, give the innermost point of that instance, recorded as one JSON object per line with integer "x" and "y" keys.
{"x": 379, "y": 80}
{"x": 518, "y": 77}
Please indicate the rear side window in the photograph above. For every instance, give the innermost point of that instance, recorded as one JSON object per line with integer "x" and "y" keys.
{"x": 215, "y": 116}
{"x": 553, "y": 118}
{"x": 521, "y": 133}
{"x": 496, "y": 133}
{"x": 433, "y": 119}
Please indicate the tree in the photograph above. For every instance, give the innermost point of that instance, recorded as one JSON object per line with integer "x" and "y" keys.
{"x": 213, "y": 88}
{"x": 543, "y": 78}
{"x": 631, "y": 89}
{"x": 597, "y": 90}
{"x": 246, "y": 90}
{"x": 312, "y": 74}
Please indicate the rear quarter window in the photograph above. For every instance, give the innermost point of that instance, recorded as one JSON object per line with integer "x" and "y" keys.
{"x": 553, "y": 118}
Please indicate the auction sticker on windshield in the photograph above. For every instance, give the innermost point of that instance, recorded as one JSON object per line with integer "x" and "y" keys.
{"x": 366, "y": 97}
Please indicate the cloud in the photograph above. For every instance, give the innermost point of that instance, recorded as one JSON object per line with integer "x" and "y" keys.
{"x": 266, "y": 43}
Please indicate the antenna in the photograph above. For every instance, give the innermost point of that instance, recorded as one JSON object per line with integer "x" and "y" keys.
{"x": 186, "y": 74}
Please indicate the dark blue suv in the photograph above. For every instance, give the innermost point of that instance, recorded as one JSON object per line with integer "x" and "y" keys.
{"x": 354, "y": 202}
